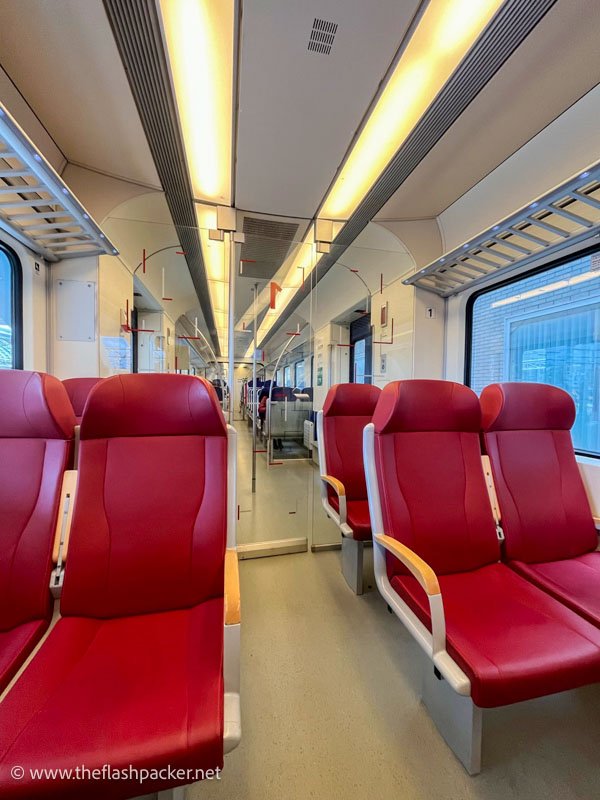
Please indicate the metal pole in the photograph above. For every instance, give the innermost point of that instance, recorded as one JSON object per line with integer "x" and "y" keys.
{"x": 231, "y": 347}
{"x": 255, "y": 396}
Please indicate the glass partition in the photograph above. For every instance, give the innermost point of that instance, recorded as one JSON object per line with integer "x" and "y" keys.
{"x": 296, "y": 332}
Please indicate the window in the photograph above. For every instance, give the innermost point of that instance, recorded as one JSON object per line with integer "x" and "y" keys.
{"x": 545, "y": 328}
{"x": 287, "y": 376}
{"x": 361, "y": 340}
{"x": 299, "y": 374}
{"x": 11, "y": 301}
{"x": 279, "y": 377}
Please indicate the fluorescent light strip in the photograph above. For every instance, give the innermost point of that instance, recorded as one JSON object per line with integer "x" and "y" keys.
{"x": 444, "y": 35}
{"x": 216, "y": 262}
{"x": 199, "y": 38}
{"x": 551, "y": 287}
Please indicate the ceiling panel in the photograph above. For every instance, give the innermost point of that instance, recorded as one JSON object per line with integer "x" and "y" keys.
{"x": 298, "y": 107}
{"x": 558, "y": 64}
{"x": 63, "y": 59}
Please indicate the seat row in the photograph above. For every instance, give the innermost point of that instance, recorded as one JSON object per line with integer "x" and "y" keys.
{"x": 498, "y": 583}
{"x": 141, "y": 669}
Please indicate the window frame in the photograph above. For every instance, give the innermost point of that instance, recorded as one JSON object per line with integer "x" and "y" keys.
{"x": 296, "y": 363}
{"x": 16, "y": 271}
{"x": 473, "y": 297}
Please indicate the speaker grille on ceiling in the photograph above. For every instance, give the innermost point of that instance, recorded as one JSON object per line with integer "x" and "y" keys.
{"x": 322, "y": 36}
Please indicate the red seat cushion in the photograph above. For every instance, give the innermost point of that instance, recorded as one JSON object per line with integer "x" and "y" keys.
{"x": 36, "y": 443}
{"x": 78, "y": 390}
{"x": 543, "y": 504}
{"x": 513, "y": 641}
{"x": 357, "y": 515}
{"x": 144, "y": 690}
{"x": 432, "y": 486}
{"x": 16, "y": 645}
{"x": 347, "y": 409}
{"x": 574, "y": 581}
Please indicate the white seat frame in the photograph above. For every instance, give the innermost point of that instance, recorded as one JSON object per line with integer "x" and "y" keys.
{"x": 446, "y": 689}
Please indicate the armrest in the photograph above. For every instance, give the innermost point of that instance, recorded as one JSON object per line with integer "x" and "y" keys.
{"x": 65, "y": 514}
{"x": 429, "y": 582}
{"x": 597, "y": 523}
{"x": 339, "y": 488}
{"x": 232, "y": 588}
{"x": 63, "y": 530}
{"x": 336, "y": 485}
{"x": 419, "y": 568}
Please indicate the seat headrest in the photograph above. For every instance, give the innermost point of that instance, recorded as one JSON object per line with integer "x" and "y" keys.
{"x": 152, "y": 405}
{"x": 78, "y": 390}
{"x": 426, "y": 405}
{"x": 34, "y": 405}
{"x": 526, "y": 406}
{"x": 351, "y": 400}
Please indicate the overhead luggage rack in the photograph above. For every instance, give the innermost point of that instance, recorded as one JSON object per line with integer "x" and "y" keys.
{"x": 36, "y": 206}
{"x": 568, "y": 214}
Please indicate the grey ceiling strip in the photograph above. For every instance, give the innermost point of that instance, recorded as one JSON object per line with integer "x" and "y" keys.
{"x": 508, "y": 29}
{"x": 136, "y": 29}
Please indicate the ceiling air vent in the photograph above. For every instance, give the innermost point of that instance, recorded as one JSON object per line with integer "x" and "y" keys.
{"x": 266, "y": 247}
{"x": 322, "y": 36}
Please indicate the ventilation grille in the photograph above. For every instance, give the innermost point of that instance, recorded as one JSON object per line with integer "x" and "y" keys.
{"x": 322, "y": 36}
{"x": 136, "y": 29}
{"x": 567, "y": 215}
{"x": 266, "y": 247}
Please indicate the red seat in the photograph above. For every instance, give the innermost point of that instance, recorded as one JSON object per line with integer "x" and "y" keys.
{"x": 348, "y": 408}
{"x": 550, "y": 533}
{"x": 512, "y": 640}
{"x": 78, "y": 390}
{"x": 36, "y": 444}
{"x": 133, "y": 671}
{"x": 357, "y": 516}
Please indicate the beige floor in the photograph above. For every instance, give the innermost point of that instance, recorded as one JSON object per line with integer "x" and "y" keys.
{"x": 286, "y": 503}
{"x": 330, "y": 703}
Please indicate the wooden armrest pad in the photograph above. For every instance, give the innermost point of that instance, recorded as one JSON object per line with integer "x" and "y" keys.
{"x": 419, "y": 568}
{"x": 232, "y": 588}
{"x": 69, "y": 485}
{"x": 338, "y": 486}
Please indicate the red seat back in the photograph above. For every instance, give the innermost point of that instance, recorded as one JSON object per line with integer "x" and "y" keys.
{"x": 78, "y": 390}
{"x": 36, "y": 440}
{"x": 348, "y": 408}
{"x": 431, "y": 481}
{"x": 150, "y": 518}
{"x": 544, "y": 508}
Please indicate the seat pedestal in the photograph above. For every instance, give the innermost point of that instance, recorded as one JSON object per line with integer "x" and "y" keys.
{"x": 457, "y": 718}
{"x": 352, "y": 563}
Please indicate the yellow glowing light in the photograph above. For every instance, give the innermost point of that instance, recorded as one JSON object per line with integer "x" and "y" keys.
{"x": 216, "y": 261}
{"x": 443, "y": 36}
{"x": 199, "y": 37}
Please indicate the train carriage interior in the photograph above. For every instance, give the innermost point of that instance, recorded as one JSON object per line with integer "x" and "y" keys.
{"x": 299, "y": 399}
